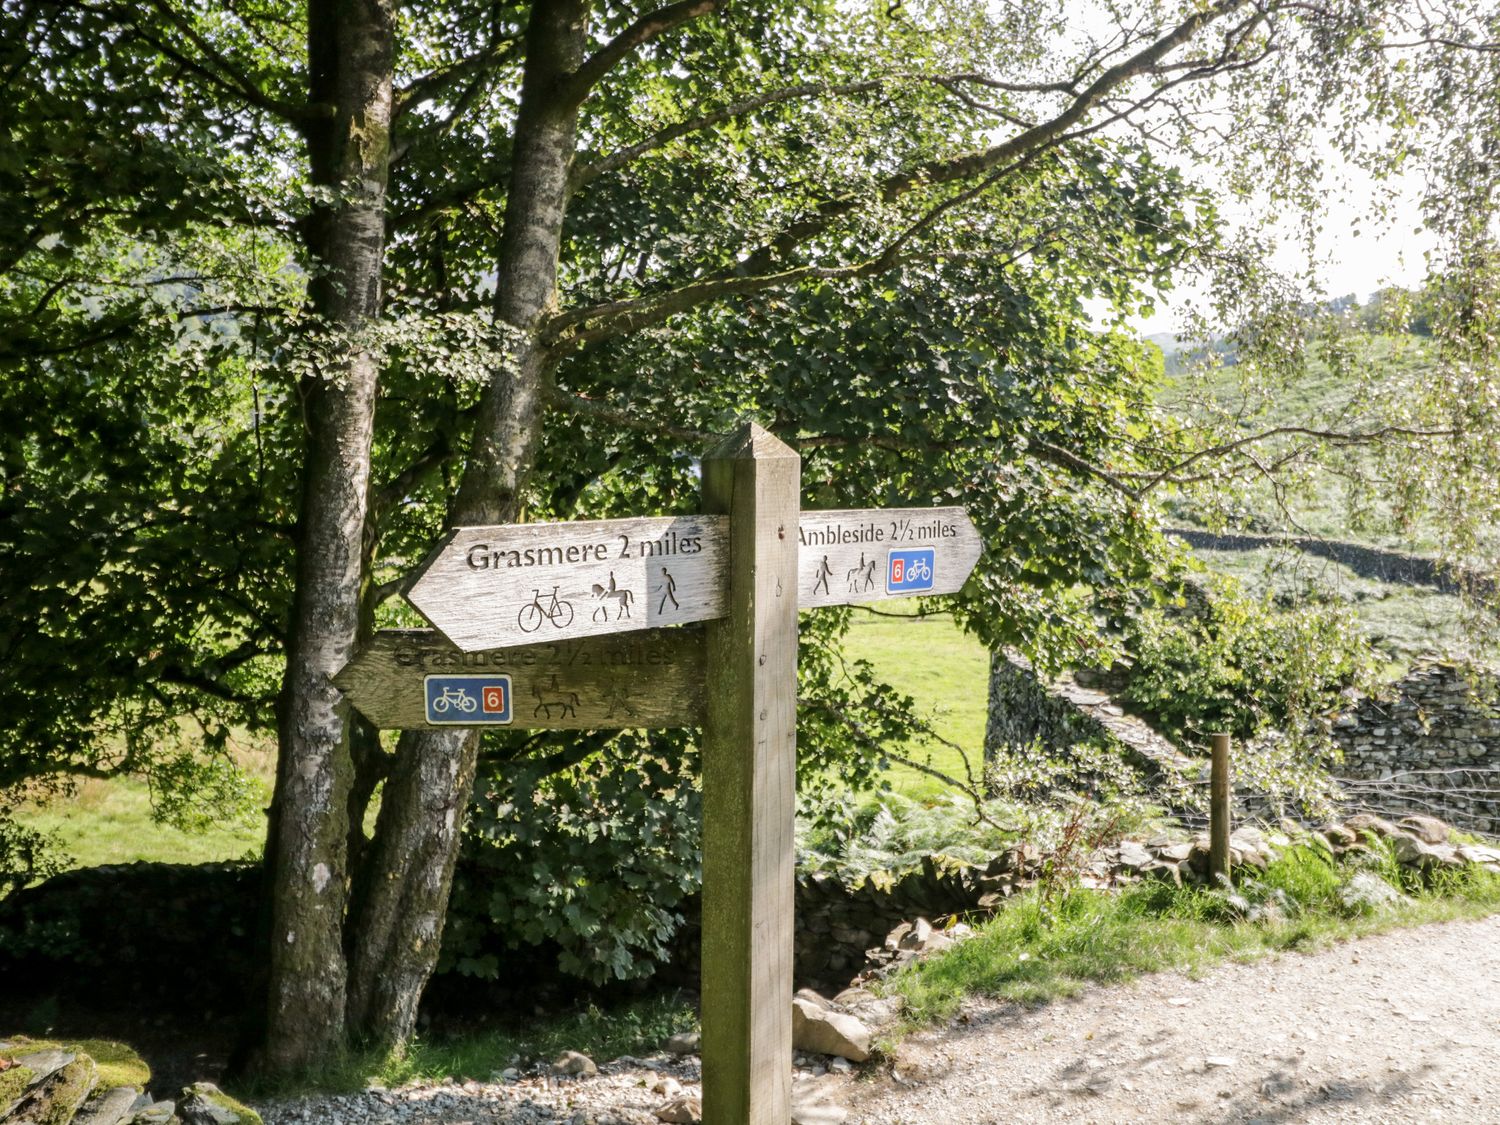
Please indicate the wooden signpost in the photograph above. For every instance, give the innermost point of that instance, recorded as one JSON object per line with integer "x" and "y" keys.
{"x": 595, "y": 683}
{"x": 537, "y": 626}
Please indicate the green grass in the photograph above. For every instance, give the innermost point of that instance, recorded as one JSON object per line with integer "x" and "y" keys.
{"x": 1323, "y": 499}
{"x": 941, "y": 667}
{"x": 111, "y": 822}
{"x": 1037, "y": 950}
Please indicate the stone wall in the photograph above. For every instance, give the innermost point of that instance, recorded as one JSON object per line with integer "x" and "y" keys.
{"x": 1428, "y": 744}
{"x": 1431, "y": 744}
{"x": 1061, "y": 713}
{"x": 837, "y": 924}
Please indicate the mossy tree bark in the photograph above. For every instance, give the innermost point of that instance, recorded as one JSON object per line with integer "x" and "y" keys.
{"x": 397, "y": 929}
{"x": 351, "y": 57}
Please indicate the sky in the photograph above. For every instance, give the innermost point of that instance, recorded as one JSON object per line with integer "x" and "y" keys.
{"x": 1353, "y": 256}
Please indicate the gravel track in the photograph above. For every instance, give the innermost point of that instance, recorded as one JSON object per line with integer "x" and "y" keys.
{"x": 1402, "y": 1027}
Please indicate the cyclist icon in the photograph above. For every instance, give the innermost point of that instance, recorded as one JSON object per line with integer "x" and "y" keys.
{"x": 455, "y": 697}
{"x": 540, "y": 609}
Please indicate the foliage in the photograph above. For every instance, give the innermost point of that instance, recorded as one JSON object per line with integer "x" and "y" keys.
{"x": 879, "y": 228}
{"x": 596, "y": 858}
{"x": 154, "y": 427}
{"x": 1234, "y": 664}
{"x": 26, "y": 855}
{"x": 894, "y": 833}
{"x": 594, "y": 847}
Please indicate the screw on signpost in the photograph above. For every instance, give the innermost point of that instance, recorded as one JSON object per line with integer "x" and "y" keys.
{"x": 1218, "y": 811}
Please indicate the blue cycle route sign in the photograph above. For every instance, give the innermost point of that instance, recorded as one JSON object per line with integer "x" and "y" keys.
{"x": 468, "y": 700}
{"x": 910, "y": 571}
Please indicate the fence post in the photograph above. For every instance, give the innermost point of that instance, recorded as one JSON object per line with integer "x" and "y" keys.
{"x": 749, "y": 786}
{"x": 1218, "y": 811}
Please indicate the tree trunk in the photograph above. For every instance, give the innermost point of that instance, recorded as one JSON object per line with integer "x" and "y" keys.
{"x": 351, "y": 51}
{"x": 404, "y": 894}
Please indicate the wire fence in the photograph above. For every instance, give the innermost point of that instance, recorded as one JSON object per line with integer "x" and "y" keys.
{"x": 1467, "y": 798}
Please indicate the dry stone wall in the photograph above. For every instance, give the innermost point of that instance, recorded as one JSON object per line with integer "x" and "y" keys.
{"x": 1023, "y": 708}
{"x": 1429, "y": 744}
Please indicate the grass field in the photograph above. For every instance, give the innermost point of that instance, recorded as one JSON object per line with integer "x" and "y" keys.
{"x": 1341, "y": 498}
{"x": 941, "y": 667}
{"x": 110, "y": 822}
{"x": 1329, "y": 500}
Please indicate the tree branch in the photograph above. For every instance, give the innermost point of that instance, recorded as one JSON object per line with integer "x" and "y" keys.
{"x": 429, "y": 85}
{"x": 586, "y": 172}
{"x": 648, "y": 27}
{"x": 1038, "y": 137}
{"x": 214, "y": 66}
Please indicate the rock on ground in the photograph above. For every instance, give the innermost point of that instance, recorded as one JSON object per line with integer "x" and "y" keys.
{"x": 827, "y": 1032}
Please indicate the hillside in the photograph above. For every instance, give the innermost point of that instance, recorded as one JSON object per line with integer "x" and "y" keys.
{"x": 1324, "y": 530}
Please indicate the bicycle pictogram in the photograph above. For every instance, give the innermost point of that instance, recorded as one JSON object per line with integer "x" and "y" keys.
{"x": 551, "y": 608}
{"x": 455, "y": 697}
{"x": 911, "y": 570}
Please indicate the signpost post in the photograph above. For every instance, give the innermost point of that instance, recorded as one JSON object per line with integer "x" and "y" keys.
{"x": 750, "y": 787}
{"x": 537, "y": 626}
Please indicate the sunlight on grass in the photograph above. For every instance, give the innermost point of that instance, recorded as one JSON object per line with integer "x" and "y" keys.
{"x": 940, "y": 666}
{"x": 110, "y": 822}
{"x": 1037, "y": 950}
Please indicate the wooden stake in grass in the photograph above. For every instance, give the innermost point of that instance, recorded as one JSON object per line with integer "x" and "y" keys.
{"x": 1218, "y": 812}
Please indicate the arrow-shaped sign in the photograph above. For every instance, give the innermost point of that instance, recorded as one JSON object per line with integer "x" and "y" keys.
{"x": 494, "y": 587}
{"x": 865, "y": 555}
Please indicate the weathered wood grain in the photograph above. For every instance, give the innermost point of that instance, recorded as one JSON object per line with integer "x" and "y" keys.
{"x": 844, "y": 555}
{"x": 592, "y": 683}
{"x": 749, "y": 787}
{"x": 1218, "y": 809}
{"x": 518, "y": 584}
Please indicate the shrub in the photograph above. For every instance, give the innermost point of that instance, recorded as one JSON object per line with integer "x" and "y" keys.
{"x": 597, "y": 859}
{"x": 1236, "y": 664}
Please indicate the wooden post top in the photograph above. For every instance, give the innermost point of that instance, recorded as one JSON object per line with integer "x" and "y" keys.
{"x": 751, "y": 441}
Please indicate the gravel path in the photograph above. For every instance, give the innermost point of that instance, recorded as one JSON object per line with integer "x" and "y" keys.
{"x": 1404, "y": 1027}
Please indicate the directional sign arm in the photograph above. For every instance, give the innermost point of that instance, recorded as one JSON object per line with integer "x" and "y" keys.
{"x": 489, "y": 587}
{"x": 865, "y": 555}
{"x": 593, "y": 683}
